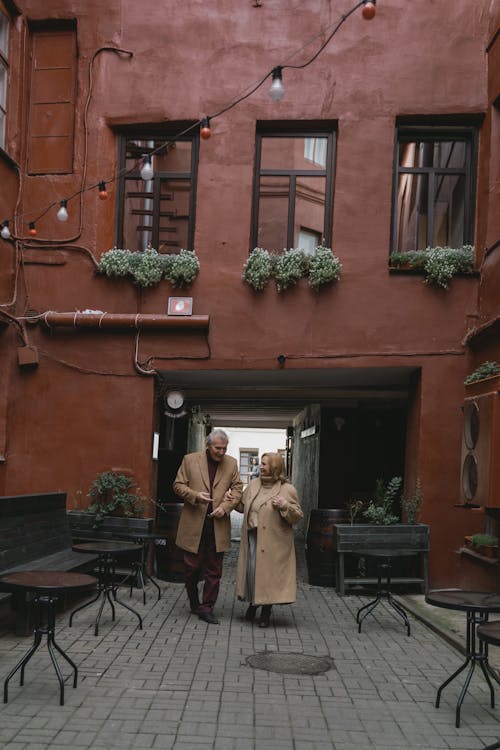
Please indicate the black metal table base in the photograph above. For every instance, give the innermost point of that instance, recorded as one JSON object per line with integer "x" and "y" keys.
{"x": 474, "y": 655}
{"x": 47, "y": 603}
{"x": 138, "y": 575}
{"x": 383, "y": 592}
{"x": 106, "y": 591}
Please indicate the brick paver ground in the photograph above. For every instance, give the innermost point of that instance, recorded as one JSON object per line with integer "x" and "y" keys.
{"x": 183, "y": 685}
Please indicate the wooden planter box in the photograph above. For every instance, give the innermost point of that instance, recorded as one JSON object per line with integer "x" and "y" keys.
{"x": 361, "y": 539}
{"x": 85, "y": 526}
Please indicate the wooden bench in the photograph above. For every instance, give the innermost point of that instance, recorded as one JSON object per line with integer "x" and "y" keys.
{"x": 35, "y": 534}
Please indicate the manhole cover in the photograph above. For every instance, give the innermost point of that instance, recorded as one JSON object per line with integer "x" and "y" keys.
{"x": 290, "y": 663}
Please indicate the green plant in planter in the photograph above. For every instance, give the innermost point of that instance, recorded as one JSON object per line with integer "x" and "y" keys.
{"x": 149, "y": 267}
{"x": 484, "y": 540}
{"x": 439, "y": 264}
{"x": 379, "y": 509}
{"x": 323, "y": 267}
{"x": 485, "y": 370}
{"x": 258, "y": 268}
{"x": 289, "y": 267}
{"x": 114, "y": 493}
{"x": 181, "y": 269}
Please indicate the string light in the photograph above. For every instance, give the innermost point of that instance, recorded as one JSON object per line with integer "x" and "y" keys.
{"x": 32, "y": 229}
{"x": 369, "y": 9}
{"x": 205, "y": 131}
{"x": 147, "y": 172}
{"x": 277, "y": 90}
{"x": 62, "y": 214}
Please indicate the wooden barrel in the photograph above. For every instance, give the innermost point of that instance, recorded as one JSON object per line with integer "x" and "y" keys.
{"x": 319, "y": 544}
{"x": 169, "y": 558}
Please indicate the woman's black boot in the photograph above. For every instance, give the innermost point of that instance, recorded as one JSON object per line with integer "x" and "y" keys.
{"x": 265, "y": 616}
{"x": 250, "y": 613}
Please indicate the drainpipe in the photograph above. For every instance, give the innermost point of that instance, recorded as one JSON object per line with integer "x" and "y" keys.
{"x": 139, "y": 321}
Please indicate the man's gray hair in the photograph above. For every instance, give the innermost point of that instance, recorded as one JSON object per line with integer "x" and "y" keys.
{"x": 217, "y": 434}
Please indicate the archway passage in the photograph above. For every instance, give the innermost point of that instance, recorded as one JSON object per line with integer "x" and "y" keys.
{"x": 346, "y": 427}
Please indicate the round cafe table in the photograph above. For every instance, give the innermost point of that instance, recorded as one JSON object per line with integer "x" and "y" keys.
{"x": 47, "y": 586}
{"x": 477, "y": 605}
{"x": 108, "y": 552}
{"x": 489, "y": 633}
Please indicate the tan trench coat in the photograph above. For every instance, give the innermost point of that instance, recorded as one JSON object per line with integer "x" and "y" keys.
{"x": 192, "y": 478}
{"x": 275, "y": 573}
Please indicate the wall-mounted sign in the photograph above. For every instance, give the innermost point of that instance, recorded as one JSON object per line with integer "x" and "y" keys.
{"x": 309, "y": 431}
{"x": 180, "y": 305}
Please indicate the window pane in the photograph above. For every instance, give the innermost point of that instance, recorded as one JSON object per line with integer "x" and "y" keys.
{"x": 138, "y": 214}
{"x": 4, "y": 35}
{"x": 273, "y": 212}
{"x": 3, "y": 85}
{"x": 412, "y": 212}
{"x": 449, "y": 154}
{"x": 449, "y": 210}
{"x": 290, "y": 153}
{"x": 174, "y": 214}
{"x": 315, "y": 150}
{"x": 308, "y": 241}
{"x": 309, "y": 205}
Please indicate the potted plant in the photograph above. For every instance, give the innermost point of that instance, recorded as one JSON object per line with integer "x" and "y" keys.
{"x": 149, "y": 267}
{"x": 485, "y": 544}
{"x": 439, "y": 264}
{"x": 484, "y": 379}
{"x": 258, "y": 268}
{"x": 382, "y": 530}
{"x": 289, "y": 267}
{"x": 323, "y": 267}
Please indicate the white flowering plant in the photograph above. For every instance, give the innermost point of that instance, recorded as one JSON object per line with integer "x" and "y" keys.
{"x": 290, "y": 266}
{"x": 323, "y": 267}
{"x": 258, "y": 268}
{"x": 439, "y": 264}
{"x": 149, "y": 267}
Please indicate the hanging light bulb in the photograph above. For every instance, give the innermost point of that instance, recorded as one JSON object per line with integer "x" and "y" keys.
{"x": 369, "y": 9}
{"x": 147, "y": 172}
{"x": 277, "y": 90}
{"x": 205, "y": 131}
{"x": 5, "y": 232}
{"x": 62, "y": 214}
{"x": 103, "y": 193}
{"x": 32, "y": 229}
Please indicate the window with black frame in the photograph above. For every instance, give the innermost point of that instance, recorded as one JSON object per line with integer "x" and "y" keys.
{"x": 434, "y": 181}
{"x": 157, "y": 212}
{"x": 4, "y": 72}
{"x": 293, "y": 188}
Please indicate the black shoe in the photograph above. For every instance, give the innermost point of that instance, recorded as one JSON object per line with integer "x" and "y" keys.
{"x": 194, "y": 603}
{"x": 265, "y": 616}
{"x": 250, "y": 613}
{"x": 208, "y": 617}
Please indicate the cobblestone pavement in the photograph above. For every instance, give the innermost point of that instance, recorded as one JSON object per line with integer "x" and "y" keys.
{"x": 181, "y": 684}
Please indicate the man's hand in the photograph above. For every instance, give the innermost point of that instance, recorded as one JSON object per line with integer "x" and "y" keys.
{"x": 228, "y": 495}
{"x": 203, "y": 497}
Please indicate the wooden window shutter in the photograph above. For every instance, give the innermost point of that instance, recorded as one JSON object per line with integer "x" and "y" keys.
{"x": 52, "y": 101}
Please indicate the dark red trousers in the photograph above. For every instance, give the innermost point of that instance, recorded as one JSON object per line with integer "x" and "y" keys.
{"x": 205, "y": 565}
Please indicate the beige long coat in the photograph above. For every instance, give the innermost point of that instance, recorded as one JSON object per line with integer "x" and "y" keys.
{"x": 193, "y": 478}
{"x": 275, "y": 568}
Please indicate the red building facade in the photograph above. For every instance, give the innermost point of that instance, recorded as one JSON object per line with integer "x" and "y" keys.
{"x": 387, "y": 140}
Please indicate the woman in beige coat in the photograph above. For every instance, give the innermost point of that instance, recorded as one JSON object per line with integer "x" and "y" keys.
{"x": 266, "y": 572}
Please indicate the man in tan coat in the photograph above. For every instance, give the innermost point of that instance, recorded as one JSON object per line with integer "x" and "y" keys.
{"x": 210, "y": 485}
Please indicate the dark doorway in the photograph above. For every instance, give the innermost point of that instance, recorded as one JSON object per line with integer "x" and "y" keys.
{"x": 358, "y": 446}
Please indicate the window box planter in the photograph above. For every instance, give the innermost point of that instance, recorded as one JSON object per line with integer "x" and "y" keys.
{"x": 360, "y": 538}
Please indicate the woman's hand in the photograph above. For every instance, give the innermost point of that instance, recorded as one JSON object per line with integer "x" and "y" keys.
{"x": 218, "y": 512}
{"x": 278, "y": 501}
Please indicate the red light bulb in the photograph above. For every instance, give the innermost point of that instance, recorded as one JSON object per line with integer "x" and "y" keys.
{"x": 205, "y": 131}
{"x": 32, "y": 229}
{"x": 368, "y": 11}
{"x": 103, "y": 193}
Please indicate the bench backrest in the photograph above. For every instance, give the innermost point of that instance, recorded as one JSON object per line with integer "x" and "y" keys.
{"x": 32, "y": 526}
